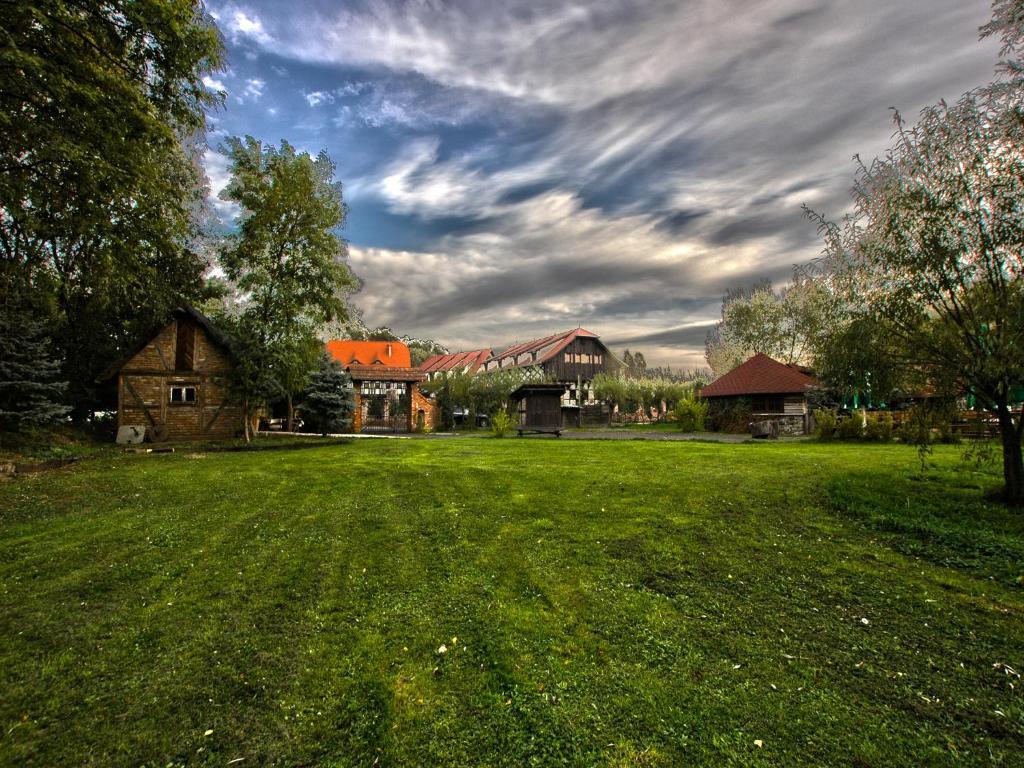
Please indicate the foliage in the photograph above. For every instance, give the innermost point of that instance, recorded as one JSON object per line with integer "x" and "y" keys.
{"x": 786, "y": 325}
{"x": 879, "y": 427}
{"x": 631, "y": 394}
{"x": 501, "y": 422}
{"x": 860, "y": 358}
{"x": 481, "y": 393}
{"x": 851, "y": 427}
{"x": 732, "y": 416}
{"x": 634, "y": 365}
{"x": 100, "y": 193}
{"x": 31, "y": 393}
{"x": 286, "y": 263}
{"x": 933, "y": 251}
{"x": 328, "y": 401}
{"x": 691, "y": 414}
{"x": 349, "y": 565}
{"x": 825, "y": 423}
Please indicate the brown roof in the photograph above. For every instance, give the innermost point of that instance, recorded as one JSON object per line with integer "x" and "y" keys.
{"x": 391, "y": 353}
{"x": 185, "y": 310}
{"x": 761, "y": 375}
{"x": 545, "y": 348}
{"x": 471, "y": 361}
{"x": 385, "y": 373}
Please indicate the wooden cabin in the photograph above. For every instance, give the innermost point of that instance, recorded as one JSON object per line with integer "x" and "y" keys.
{"x": 172, "y": 384}
{"x": 539, "y": 408}
{"x": 772, "y": 390}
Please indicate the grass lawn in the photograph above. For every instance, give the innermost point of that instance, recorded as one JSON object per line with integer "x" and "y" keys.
{"x": 597, "y": 603}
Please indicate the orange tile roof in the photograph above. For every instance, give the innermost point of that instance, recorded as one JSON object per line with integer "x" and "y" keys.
{"x": 393, "y": 354}
{"x": 761, "y": 375}
{"x": 471, "y": 361}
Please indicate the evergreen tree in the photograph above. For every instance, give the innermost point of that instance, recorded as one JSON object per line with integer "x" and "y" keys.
{"x": 30, "y": 390}
{"x": 329, "y": 400}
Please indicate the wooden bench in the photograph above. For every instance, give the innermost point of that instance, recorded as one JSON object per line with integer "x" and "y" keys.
{"x": 556, "y": 431}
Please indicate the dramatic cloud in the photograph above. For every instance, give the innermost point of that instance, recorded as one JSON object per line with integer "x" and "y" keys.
{"x": 515, "y": 168}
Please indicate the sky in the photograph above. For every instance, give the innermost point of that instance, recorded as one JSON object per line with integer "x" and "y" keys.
{"x": 513, "y": 169}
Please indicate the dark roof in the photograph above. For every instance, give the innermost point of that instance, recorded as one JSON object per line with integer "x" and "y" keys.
{"x": 388, "y": 353}
{"x": 471, "y": 361}
{"x": 761, "y": 375}
{"x": 385, "y": 373}
{"x": 187, "y": 310}
{"x": 544, "y": 348}
{"x": 538, "y": 389}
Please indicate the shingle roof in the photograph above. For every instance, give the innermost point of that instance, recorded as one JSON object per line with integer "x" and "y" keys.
{"x": 545, "y": 348}
{"x": 390, "y": 353}
{"x": 385, "y": 373}
{"x": 761, "y": 375}
{"x": 471, "y": 361}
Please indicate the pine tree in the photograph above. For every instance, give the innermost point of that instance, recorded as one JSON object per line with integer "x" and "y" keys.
{"x": 30, "y": 392}
{"x": 329, "y": 400}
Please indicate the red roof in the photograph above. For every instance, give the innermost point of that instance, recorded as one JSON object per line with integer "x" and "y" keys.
{"x": 470, "y": 361}
{"x": 545, "y": 348}
{"x": 761, "y": 375}
{"x": 390, "y": 353}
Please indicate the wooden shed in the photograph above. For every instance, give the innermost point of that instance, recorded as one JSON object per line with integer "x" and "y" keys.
{"x": 539, "y": 407}
{"x": 172, "y": 384}
{"x": 772, "y": 391}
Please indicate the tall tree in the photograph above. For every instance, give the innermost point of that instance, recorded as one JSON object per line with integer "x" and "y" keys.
{"x": 934, "y": 251}
{"x": 286, "y": 259}
{"x": 786, "y": 325}
{"x": 96, "y": 188}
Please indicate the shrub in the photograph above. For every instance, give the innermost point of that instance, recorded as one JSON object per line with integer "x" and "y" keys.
{"x": 501, "y": 423}
{"x": 690, "y": 414}
{"x": 879, "y": 428}
{"x": 825, "y": 422}
{"x": 733, "y": 417}
{"x": 851, "y": 428}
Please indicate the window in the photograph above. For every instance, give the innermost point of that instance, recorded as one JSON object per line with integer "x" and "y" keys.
{"x": 568, "y": 357}
{"x": 183, "y": 395}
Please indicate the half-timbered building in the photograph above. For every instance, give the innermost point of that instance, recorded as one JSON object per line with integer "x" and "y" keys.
{"x": 172, "y": 385}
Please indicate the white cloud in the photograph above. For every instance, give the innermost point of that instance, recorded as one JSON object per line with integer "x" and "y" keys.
{"x": 316, "y": 98}
{"x": 213, "y": 84}
{"x": 242, "y": 23}
{"x": 216, "y": 166}
{"x": 254, "y": 88}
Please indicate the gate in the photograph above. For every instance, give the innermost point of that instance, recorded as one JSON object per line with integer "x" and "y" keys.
{"x": 386, "y": 412}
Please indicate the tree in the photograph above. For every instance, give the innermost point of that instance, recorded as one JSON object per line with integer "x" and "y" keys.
{"x": 31, "y": 393}
{"x": 286, "y": 261}
{"x": 328, "y": 401}
{"x": 786, "y": 325}
{"x": 97, "y": 189}
{"x": 933, "y": 250}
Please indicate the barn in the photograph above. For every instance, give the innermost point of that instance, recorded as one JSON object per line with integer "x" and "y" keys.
{"x": 772, "y": 391}
{"x": 172, "y": 385}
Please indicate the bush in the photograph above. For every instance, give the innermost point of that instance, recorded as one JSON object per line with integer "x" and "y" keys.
{"x": 825, "y": 423}
{"x": 690, "y": 414}
{"x": 851, "y": 428}
{"x": 734, "y": 417}
{"x": 879, "y": 428}
{"x": 501, "y": 423}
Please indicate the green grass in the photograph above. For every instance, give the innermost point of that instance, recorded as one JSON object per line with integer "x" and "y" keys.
{"x": 602, "y": 603}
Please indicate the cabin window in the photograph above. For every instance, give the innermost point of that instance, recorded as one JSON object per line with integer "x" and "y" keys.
{"x": 183, "y": 395}
{"x": 568, "y": 357}
{"x": 766, "y": 404}
{"x": 185, "y": 348}
{"x": 598, "y": 360}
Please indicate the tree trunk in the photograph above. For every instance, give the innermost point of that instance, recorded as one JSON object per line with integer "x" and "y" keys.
{"x": 1013, "y": 458}
{"x": 291, "y": 413}
{"x": 245, "y": 419}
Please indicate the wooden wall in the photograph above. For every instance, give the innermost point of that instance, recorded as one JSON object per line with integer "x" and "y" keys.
{"x": 574, "y": 367}
{"x": 145, "y": 382}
